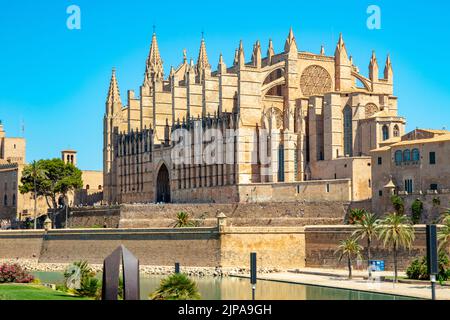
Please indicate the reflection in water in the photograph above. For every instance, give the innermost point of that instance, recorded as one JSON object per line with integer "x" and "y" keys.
{"x": 240, "y": 289}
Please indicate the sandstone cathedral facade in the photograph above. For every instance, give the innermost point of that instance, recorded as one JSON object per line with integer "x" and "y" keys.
{"x": 321, "y": 115}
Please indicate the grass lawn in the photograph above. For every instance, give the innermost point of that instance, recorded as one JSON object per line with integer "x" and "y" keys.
{"x": 32, "y": 292}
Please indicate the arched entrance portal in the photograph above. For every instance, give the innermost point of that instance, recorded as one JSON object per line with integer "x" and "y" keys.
{"x": 163, "y": 185}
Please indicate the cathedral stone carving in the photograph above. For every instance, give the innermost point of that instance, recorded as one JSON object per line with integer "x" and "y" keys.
{"x": 315, "y": 80}
{"x": 371, "y": 109}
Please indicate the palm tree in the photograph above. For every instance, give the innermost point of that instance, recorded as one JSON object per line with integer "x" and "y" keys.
{"x": 35, "y": 172}
{"x": 356, "y": 215}
{"x": 184, "y": 221}
{"x": 350, "y": 248}
{"x": 176, "y": 287}
{"x": 397, "y": 232}
{"x": 444, "y": 232}
{"x": 367, "y": 228}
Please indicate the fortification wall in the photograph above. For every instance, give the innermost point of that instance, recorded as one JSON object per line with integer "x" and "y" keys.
{"x": 23, "y": 244}
{"x": 156, "y": 247}
{"x": 277, "y": 247}
{"x": 94, "y": 217}
{"x": 281, "y": 247}
{"x": 297, "y": 214}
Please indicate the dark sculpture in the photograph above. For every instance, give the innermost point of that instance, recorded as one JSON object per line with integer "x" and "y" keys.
{"x": 111, "y": 269}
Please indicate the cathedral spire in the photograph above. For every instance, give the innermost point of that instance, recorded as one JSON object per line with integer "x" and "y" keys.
{"x": 202, "y": 61}
{"x": 388, "y": 71}
{"x": 256, "y": 57}
{"x": 113, "y": 94}
{"x": 154, "y": 68}
{"x": 241, "y": 58}
{"x": 290, "y": 44}
{"x": 236, "y": 57}
{"x": 373, "y": 67}
{"x": 222, "y": 68}
{"x": 270, "y": 51}
{"x": 341, "y": 50}
{"x": 322, "y": 50}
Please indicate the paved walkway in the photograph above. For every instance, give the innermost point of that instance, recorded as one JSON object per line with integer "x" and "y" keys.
{"x": 336, "y": 279}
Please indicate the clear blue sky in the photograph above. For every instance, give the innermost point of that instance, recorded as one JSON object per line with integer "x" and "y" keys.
{"x": 55, "y": 80}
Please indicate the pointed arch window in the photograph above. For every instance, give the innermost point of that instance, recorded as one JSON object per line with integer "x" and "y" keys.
{"x": 396, "y": 131}
{"x": 385, "y": 133}
{"x": 348, "y": 131}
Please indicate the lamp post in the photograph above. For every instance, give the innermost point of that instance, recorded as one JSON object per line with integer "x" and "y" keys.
{"x": 35, "y": 205}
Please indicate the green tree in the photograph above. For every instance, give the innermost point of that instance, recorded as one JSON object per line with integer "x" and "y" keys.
{"x": 176, "y": 287}
{"x": 367, "y": 228}
{"x": 417, "y": 209}
{"x": 184, "y": 220}
{"x": 398, "y": 204}
{"x": 396, "y": 231}
{"x": 444, "y": 232}
{"x": 59, "y": 179}
{"x": 34, "y": 174}
{"x": 349, "y": 248}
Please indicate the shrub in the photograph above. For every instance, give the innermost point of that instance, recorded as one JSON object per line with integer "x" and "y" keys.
{"x": 14, "y": 273}
{"x": 184, "y": 220}
{"x": 417, "y": 209}
{"x": 356, "y": 215}
{"x": 418, "y": 269}
{"x": 398, "y": 204}
{"x": 436, "y": 201}
{"x": 80, "y": 280}
{"x": 176, "y": 287}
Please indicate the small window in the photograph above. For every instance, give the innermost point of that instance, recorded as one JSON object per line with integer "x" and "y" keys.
{"x": 14, "y": 199}
{"x": 385, "y": 133}
{"x": 432, "y": 157}
{"x": 433, "y": 187}
{"x": 87, "y": 187}
{"x": 380, "y": 161}
{"x": 328, "y": 188}
{"x": 5, "y": 200}
{"x": 99, "y": 187}
{"x": 409, "y": 185}
{"x": 370, "y": 183}
{"x": 380, "y": 193}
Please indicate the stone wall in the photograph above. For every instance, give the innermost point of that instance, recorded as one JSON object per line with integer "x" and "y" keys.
{"x": 94, "y": 217}
{"x": 158, "y": 247}
{"x": 312, "y": 191}
{"x": 23, "y": 244}
{"x": 297, "y": 214}
{"x": 282, "y": 247}
{"x": 224, "y": 246}
{"x": 434, "y": 205}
